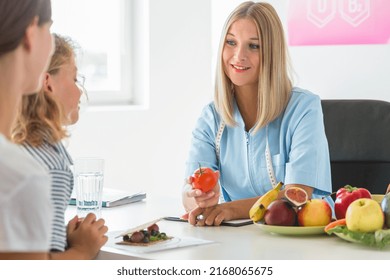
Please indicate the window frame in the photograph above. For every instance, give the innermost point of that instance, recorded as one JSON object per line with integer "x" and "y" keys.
{"x": 134, "y": 46}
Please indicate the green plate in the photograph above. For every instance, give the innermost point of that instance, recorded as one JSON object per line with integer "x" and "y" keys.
{"x": 346, "y": 237}
{"x": 296, "y": 230}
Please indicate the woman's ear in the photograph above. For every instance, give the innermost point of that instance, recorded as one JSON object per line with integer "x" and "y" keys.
{"x": 30, "y": 34}
{"x": 48, "y": 83}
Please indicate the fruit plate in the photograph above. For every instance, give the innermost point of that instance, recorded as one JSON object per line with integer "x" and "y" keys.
{"x": 346, "y": 237}
{"x": 293, "y": 230}
{"x": 379, "y": 238}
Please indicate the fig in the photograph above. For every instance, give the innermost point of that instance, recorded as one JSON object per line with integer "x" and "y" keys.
{"x": 137, "y": 237}
{"x": 385, "y": 205}
{"x": 280, "y": 213}
{"x": 153, "y": 227}
{"x": 296, "y": 196}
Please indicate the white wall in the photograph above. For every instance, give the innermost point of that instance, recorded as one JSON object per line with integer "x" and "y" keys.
{"x": 147, "y": 148}
{"x": 349, "y": 71}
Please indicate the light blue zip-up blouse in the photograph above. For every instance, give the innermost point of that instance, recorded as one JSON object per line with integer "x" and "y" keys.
{"x": 297, "y": 144}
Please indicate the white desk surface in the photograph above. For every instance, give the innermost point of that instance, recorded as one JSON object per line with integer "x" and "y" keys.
{"x": 231, "y": 243}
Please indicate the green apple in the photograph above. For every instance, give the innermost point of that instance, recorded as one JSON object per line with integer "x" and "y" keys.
{"x": 316, "y": 212}
{"x": 364, "y": 215}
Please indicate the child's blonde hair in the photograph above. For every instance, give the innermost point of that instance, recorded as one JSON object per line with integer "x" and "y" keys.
{"x": 40, "y": 118}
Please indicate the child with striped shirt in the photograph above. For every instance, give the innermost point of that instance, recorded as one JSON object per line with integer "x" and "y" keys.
{"x": 40, "y": 128}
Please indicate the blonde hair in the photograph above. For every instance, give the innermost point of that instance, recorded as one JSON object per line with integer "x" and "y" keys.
{"x": 40, "y": 118}
{"x": 274, "y": 86}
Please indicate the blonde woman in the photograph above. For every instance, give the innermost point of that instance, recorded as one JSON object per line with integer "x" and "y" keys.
{"x": 40, "y": 128}
{"x": 260, "y": 129}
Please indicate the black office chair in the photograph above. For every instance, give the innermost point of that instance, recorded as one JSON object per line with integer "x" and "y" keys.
{"x": 358, "y": 133}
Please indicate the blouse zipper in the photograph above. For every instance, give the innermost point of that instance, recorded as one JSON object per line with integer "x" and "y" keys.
{"x": 247, "y": 135}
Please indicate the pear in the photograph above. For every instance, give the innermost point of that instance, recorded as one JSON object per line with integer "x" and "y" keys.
{"x": 385, "y": 205}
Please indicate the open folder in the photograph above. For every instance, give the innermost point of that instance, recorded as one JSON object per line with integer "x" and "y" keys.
{"x": 113, "y": 197}
{"x": 232, "y": 223}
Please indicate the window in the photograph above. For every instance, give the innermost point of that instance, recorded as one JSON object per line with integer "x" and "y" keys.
{"x": 104, "y": 31}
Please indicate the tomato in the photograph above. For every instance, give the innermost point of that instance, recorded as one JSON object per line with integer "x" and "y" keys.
{"x": 204, "y": 179}
{"x": 345, "y": 196}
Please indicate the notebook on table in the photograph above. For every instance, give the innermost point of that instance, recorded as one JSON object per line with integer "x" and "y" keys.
{"x": 114, "y": 197}
{"x": 232, "y": 223}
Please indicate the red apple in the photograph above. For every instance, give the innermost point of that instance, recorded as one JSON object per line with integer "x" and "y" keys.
{"x": 364, "y": 215}
{"x": 316, "y": 212}
{"x": 280, "y": 213}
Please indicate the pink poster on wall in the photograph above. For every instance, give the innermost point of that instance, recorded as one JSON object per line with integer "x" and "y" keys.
{"x": 338, "y": 22}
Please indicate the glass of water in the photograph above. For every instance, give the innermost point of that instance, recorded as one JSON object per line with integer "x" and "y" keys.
{"x": 89, "y": 177}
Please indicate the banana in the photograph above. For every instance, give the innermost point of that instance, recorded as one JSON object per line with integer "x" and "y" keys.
{"x": 257, "y": 211}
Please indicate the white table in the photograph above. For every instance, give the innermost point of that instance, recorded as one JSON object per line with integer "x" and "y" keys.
{"x": 247, "y": 242}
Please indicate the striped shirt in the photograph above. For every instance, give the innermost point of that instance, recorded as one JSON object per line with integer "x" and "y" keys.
{"x": 58, "y": 161}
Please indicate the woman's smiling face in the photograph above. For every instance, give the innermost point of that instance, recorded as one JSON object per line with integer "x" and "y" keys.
{"x": 241, "y": 56}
